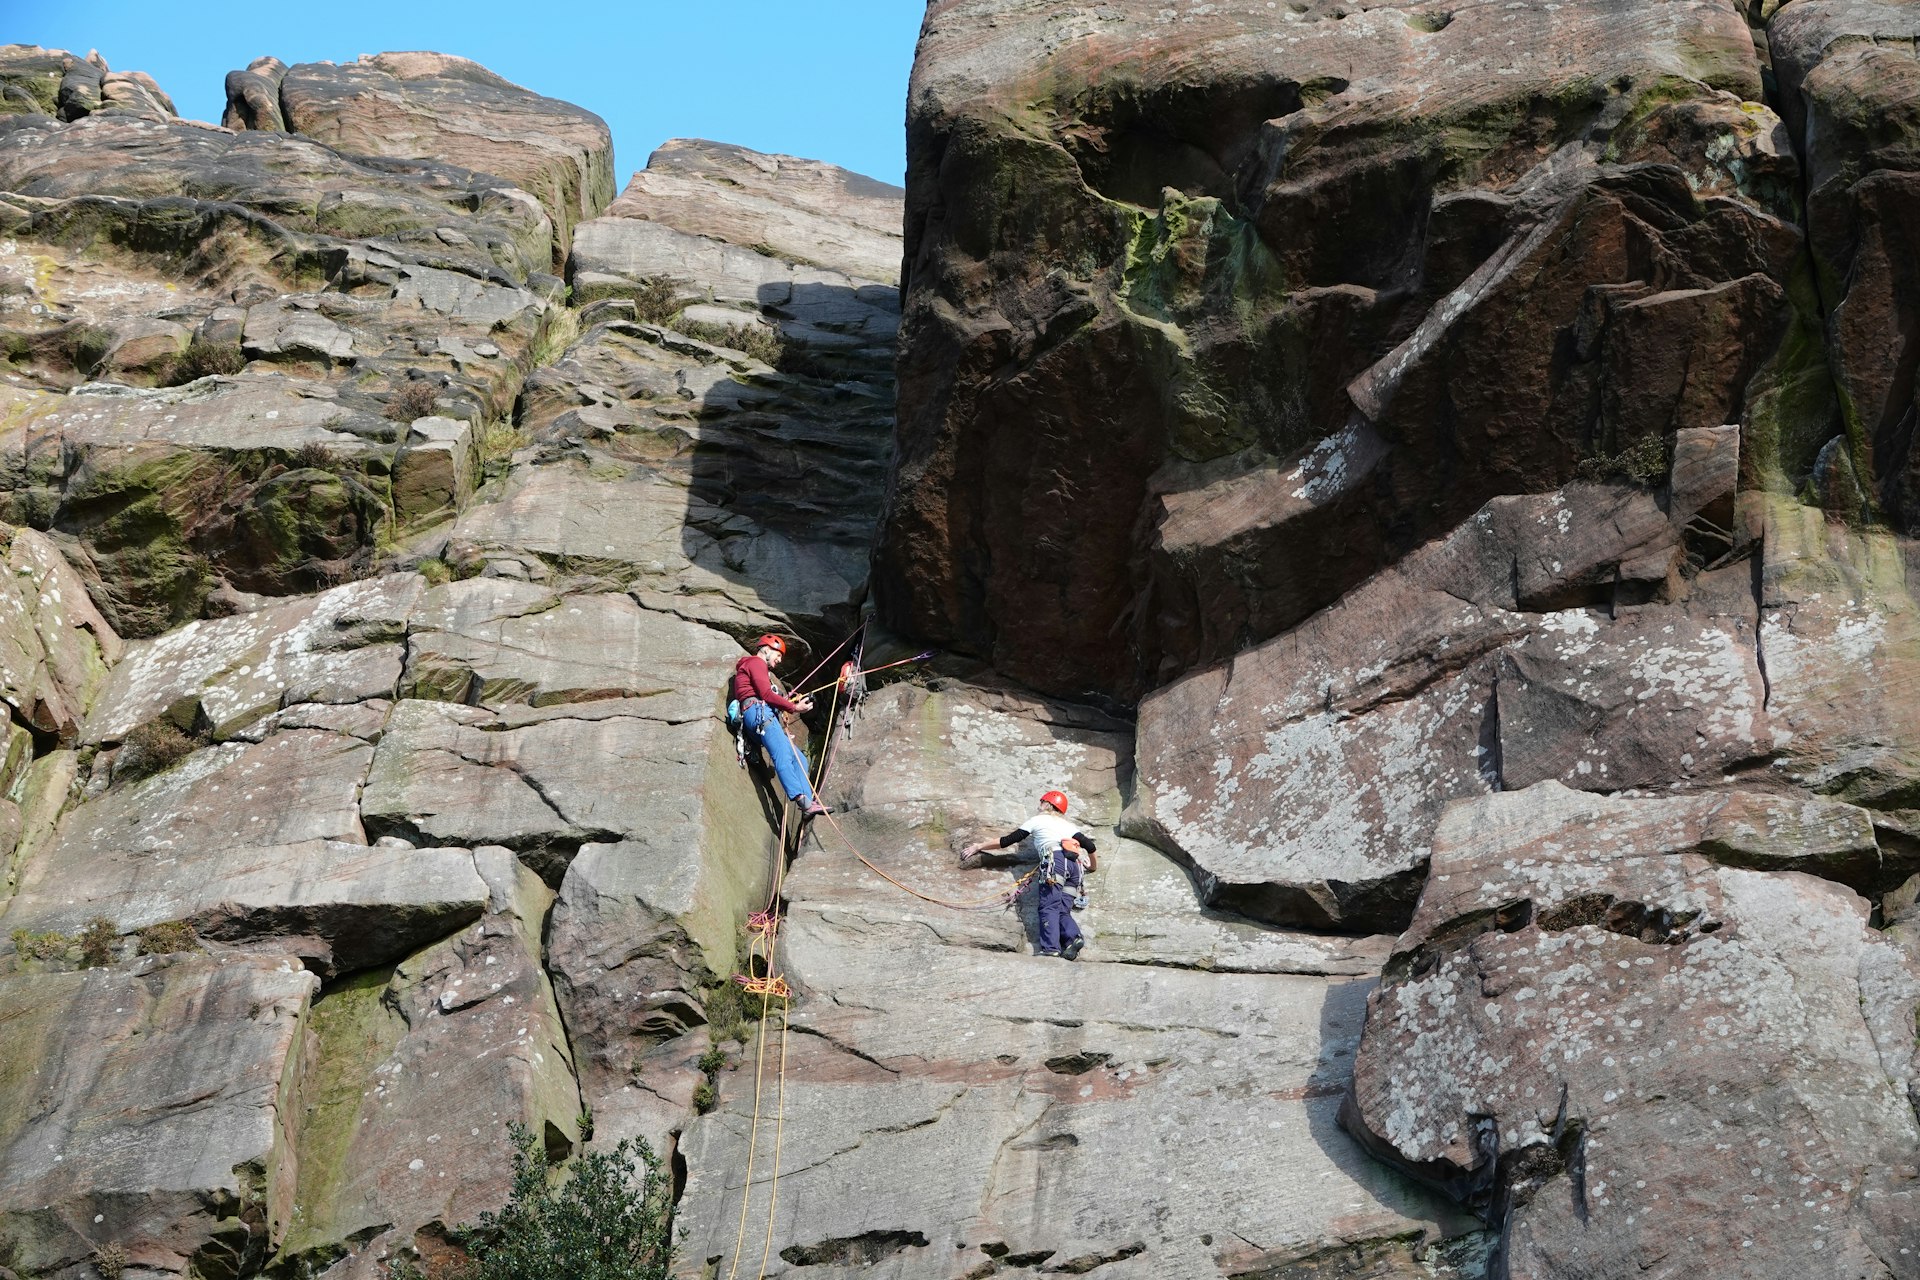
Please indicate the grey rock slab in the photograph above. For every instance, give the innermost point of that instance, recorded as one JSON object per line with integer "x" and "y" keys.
{"x": 243, "y": 412}
{"x": 1321, "y": 819}
{"x": 55, "y": 648}
{"x": 339, "y": 646}
{"x": 1705, "y": 475}
{"x": 278, "y": 332}
{"x": 146, "y": 344}
{"x": 541, "y": 780}
{"x": 461, "y": 297}
{"x": 1656, "y": 696}
{"x": 609, "y": 252}
{"x": 925, "y": 772}
{"x": 644, "y": 922}
{"x": 1302, "y": 779}
{"x": 148, "y": 1105}
{"x": 411, "y": 1078}
{"x": 363, "y": 720}
{"x": 682, "y": 554}
{"x": 1657, "y": 1048}
{"x": 1545, "y": 551}
{"x": 435, "y": 470}
{"x": 41, "y": 797}
{"x": 1552, "y": 846}
{"x": 494, "y": 642}
{"x": 802, "y": 209}
{"x": 285, "y": 186}
{"x": 436, "y": 106}
{"x": 247, "y": 842}
{"x": 938, "y": 1115}
{"x": 1838, "y": 629}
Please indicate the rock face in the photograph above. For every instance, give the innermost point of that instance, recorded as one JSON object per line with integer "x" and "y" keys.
{"x": 1134, "y": 1115}
{"x": 415, "y": 106}
{"x": 716, "y": 439}
{"x": 408, "y": 816}
{"x": 804, "y": 211}
{"x": 1263, "y": 300}
{"x": 150, "y": 1104}
{"x": 53, "y": 82}
{"x": 300, "y": 309}
{"x": 1847, "y": 76}
{"x": 1302, "y": 780}
{"x": 1604, "y": 1021}
{"x": 1431, "y": 486}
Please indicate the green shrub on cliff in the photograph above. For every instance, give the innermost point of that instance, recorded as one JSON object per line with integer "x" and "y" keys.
{"x": 203, "y": 359}
{"x": 97, "y": 943}
{"x": 656, "y": 301}
{"x": 607, "y": 1221}
{"x": 1644, "y": 462}
{"x": 153, "y": 747}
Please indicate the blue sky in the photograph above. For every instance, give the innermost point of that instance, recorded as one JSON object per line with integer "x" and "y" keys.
{"x": 825, "y": 79}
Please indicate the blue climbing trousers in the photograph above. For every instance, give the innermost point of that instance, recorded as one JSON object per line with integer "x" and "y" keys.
{"x": 764, "y": 721}
{"x": 1057, "y": 927}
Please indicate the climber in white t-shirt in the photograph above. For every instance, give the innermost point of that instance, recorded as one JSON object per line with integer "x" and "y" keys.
{"x": 1065, "y": 854}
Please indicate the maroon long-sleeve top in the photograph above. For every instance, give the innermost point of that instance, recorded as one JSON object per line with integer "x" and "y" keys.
{"x": 751, "y": 679}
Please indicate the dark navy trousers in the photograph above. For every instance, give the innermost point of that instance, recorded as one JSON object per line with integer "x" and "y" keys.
{"x": 1057, "y": 927}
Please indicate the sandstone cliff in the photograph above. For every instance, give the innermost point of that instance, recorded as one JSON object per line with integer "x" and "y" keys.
{"x": 1432, "y": 485}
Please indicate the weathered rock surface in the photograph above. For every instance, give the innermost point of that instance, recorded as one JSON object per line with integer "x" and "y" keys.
{"x": 1637, "y": 1055}
{"x": 1302, "y": 780}
{"x": 318, "y": 289}
{"x": 456, "y": 1041}
{"x": 56, "y": 646}
{"x": 720, "y": 452}
{"x": 1848, "y": 75}
{"x": 1263, "y": 299}
{"x": 928, "y": 771}
{"x": 53, "y": 82}
{"x": 803, "y": 210}
{"x": 1349, "y": 389}
{"x": 416, "y": 106}
{"x": 1024, "y": 1092}
{"x": 150, "y": 1104}
{"x": 55, "y": 653}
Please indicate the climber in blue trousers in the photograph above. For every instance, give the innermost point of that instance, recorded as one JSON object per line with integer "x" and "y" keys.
{"x": 1061, "y": 881}
{"x": 1065, "y": 855}
{"x": 760, "y": 707}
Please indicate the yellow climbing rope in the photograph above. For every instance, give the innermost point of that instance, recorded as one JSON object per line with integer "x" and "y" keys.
{"x": 763, "y": 929}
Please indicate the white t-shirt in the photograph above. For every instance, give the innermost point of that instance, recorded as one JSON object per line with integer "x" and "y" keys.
{"x": 1045, "y": 830}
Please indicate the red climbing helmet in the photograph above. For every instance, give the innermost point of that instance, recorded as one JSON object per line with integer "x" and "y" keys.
{"x": 1056, "y": 799}
{"x": 771, "y": 641}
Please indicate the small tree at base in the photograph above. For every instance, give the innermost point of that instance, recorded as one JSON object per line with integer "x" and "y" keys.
{"x": 610, "y": 1220}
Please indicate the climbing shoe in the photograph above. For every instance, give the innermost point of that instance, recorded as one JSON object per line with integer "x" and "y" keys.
{"x": 816, "y": 810}
{"x": 1051, "y": 955}
{"x": 1072, "y": 950}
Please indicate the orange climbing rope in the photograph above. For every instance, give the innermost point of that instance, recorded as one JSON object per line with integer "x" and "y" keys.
{"x": 1002, "y": 899}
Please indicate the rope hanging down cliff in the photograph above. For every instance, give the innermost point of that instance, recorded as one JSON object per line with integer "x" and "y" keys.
{"x": 763, "y": 928}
